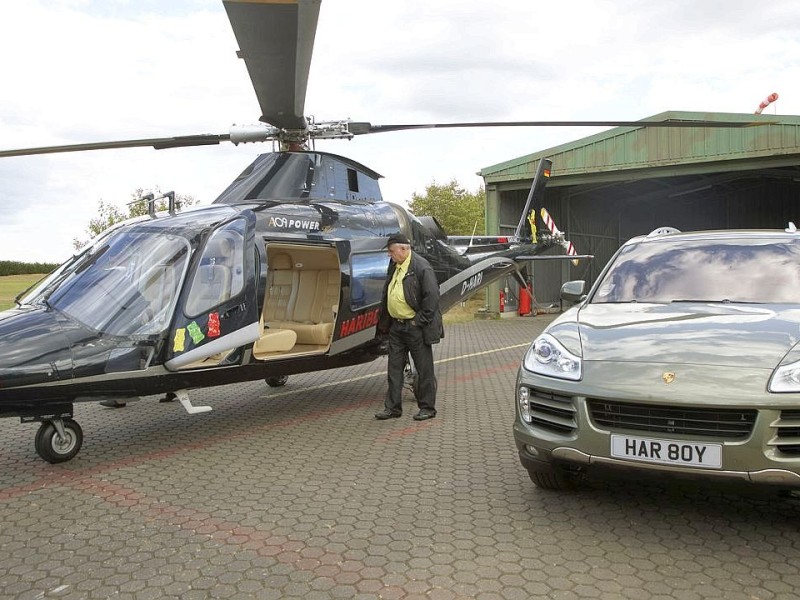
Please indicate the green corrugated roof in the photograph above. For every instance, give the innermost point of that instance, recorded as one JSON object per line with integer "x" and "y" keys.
{"x": 624, "y": 149}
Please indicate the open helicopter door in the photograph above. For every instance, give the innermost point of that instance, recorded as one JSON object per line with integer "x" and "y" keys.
{"x": 217, "y": 311}
{"x": 302, "y": 299}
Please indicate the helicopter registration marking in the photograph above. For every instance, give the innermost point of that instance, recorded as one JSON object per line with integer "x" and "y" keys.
{"x": 286, "y": 223}
{"x": 471, "y": 283}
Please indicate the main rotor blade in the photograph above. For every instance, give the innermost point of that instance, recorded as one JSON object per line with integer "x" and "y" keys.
{"x": 361, "y": 127}
{"x": 207, "y": 139}
{"x": 276, "y": 40}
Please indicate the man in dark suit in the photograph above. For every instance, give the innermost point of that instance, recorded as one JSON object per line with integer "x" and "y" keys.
{"x": 411, "y": 316}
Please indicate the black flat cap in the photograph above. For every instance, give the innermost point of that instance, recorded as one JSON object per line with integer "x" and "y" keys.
{"x": 397, "y": 238}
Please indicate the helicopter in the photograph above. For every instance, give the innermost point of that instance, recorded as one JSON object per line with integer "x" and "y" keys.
{"x": 281, "y": 274}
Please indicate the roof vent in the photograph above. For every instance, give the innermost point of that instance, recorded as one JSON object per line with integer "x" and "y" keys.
{"x": 663, "y": 231}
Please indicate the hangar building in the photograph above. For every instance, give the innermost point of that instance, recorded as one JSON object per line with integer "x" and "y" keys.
{"x": 627, "y": 181}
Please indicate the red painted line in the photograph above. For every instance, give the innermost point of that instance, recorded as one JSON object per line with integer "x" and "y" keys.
{"x": 59, "y": 475}
{"x": 400, "y": 433}
{"x": 55, "y": 475}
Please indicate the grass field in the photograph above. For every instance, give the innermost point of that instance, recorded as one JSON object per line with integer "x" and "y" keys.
{"x": 461, "y": 313}
{"x": 11, "y": 285}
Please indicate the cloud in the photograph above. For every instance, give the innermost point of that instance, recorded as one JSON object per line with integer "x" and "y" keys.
{"x": 88, "y": 70}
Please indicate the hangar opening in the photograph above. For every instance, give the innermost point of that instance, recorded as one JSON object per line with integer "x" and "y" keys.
{"x": 607, "y": 188}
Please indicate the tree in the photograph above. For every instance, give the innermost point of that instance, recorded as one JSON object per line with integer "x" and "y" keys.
{"x": 459, "y": 212}
{"x": 110, "y": 214}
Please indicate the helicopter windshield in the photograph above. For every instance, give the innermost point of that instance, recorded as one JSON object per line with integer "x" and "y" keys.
{"x": 126, "y": 285}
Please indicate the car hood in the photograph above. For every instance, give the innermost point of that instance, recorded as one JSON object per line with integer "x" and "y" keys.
{"x": 753, "y": 336}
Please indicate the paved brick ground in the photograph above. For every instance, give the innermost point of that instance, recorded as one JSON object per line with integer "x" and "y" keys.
{"x": 297, "y": 492}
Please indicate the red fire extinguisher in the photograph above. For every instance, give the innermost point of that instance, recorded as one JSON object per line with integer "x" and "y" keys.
{"x": 524, "y": 301}
{"x": 502, "y": 301}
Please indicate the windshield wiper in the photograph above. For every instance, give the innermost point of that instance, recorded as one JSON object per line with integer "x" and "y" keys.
{"x": 28, "y": 289}
{"x": 92, "y": 259}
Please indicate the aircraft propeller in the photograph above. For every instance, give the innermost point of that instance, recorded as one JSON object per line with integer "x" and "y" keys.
{"x": 291, "y": 139}
{"x": 276, "y": 41}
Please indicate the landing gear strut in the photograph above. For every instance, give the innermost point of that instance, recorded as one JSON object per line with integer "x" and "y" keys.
{"x": 58, "y": 440}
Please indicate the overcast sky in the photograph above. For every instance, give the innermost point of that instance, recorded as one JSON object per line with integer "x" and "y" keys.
{"x": 92, "y": 70}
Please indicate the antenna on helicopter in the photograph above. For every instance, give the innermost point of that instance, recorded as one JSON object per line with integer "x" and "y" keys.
{"x": 151, "y": 204}
{"x": 173, "y": 205}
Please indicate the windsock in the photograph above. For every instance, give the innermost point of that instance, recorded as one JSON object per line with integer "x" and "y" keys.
{"x": 766, "y": 102}
{"x": 551, "y": 225}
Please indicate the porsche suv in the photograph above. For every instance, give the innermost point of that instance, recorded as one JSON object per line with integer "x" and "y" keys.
{"x": 683, "y": 359}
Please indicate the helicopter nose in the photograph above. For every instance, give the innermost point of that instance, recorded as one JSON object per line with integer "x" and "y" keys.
{"x": 33, "y": 348}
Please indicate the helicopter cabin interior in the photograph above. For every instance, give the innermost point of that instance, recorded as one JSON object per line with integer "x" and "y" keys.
{"x": 301, "y": 301}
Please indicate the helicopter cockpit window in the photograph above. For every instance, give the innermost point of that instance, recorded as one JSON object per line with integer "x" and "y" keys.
{"x": 220, "y": 274}
{"x": 367, "y": 274}
{"x": 127, "y": 285}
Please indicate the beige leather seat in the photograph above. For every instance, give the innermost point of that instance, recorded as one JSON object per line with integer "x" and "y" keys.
{"x": 211, "y": 286}
{"x": 315, "y": 306}
{"x": 212, "y": 281}
{"x": 282, "y": 283}
{"x": 281, "y": 289}
{"x": 303, "y": 301}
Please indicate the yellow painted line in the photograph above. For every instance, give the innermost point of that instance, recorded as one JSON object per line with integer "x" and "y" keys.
{"x": 383, "y": 373}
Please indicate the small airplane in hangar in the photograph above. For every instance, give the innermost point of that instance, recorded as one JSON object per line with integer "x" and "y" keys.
{"x": 281, "y": 274}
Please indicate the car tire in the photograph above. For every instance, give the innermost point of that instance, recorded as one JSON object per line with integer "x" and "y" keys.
{"x": 554, "y": 479}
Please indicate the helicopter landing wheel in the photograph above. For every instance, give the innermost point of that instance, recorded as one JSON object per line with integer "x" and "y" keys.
{"x": 58, "y": 440}
{"x": 277, "y": 381}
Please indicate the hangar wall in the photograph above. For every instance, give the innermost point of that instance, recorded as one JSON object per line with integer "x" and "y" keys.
{"x": 602, "y": 193}
{"x": 599, "y": 222}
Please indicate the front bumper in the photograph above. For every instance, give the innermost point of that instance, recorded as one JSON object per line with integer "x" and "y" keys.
{"x": 767, "y": 455}
{"x": 575, "y": 460}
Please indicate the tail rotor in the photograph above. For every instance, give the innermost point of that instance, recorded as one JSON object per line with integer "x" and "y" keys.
{"x": 558, "y": 235}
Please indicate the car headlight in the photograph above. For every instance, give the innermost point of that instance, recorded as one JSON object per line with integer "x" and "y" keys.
{"x": 548, "y": 357}
{"x": 786, "y": 378}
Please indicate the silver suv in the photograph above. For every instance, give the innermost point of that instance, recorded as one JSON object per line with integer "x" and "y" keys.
{"x": 683, "y": 359}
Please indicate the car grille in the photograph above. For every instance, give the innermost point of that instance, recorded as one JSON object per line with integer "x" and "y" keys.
{"x": 552, "y": 411}
{"x": 696, "y": 422}
{"x": 787, "y": 440}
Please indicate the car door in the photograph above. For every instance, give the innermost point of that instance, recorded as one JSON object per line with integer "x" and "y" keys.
{"x": 217, "y": 311}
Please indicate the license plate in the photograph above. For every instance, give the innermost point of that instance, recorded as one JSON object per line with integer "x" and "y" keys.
{"x": 667, "y": 452}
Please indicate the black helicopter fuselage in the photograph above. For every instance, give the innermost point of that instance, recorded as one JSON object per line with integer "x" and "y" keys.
{"x": 282, "y": 274}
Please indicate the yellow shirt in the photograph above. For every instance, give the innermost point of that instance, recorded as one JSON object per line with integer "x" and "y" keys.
{"x": 396, "y": 301}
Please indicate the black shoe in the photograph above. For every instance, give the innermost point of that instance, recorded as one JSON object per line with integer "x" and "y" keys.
{"x": 387, "y": 414}
{"x": 424, "y": 414}
{"x": 113, "y": 403}
{"x": 169, "y": 397}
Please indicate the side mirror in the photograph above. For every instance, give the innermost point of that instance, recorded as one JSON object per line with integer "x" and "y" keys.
{"x": 572, "y": 291}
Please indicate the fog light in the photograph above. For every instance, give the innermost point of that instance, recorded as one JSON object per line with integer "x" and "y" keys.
{"x": 531, "y": 450}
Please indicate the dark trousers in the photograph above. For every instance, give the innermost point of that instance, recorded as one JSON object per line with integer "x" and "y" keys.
{"x": 406, "y": 338}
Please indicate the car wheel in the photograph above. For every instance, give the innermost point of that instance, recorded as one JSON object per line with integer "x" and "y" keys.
{"x": 554, "y": 479}
{"x": 277, "y": 381}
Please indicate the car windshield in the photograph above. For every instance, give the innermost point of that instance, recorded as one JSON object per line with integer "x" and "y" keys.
{"x": 126, "y": 285}
{"x": 703, "y": 270}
